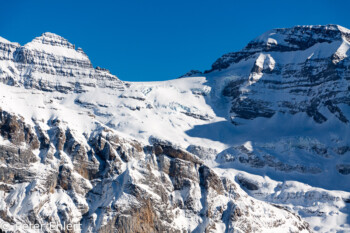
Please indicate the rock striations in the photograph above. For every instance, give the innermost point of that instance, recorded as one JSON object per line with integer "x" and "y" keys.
{"x": 304, "y": 69}
{"x": 259, "y": 143}
{"x": 51, "y": 63}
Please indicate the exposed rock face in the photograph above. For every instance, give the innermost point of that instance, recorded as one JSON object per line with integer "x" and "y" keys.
{"x": 344, "y": 169}
{"x": 79, "y": 146}
{"x": 286, "y": 40}
{"x": 192, "y": 73}
{"x": 14, "y": 129}
{"x": 305, "y": 69}
{"x": 265, "y": 156}
{"x": 51, "y": 63}
{"x": 109, "y": 184}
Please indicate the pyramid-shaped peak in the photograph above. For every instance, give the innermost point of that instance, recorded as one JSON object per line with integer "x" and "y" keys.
{"x": 56, "y": 45}
{"x": 53, "y": 39}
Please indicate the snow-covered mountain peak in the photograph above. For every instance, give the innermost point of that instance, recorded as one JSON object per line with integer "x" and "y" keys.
{"x": 298, "y": 37}
{"x": 53, "y": 39}
{"x": 50, "y": 43}
{"x": 271, "y": 121}
{"x": 318, "y": 41}
{"x": 295, "y": 66}
{"x": 51, "y": 63}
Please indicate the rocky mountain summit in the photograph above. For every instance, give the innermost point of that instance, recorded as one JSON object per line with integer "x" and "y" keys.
{"x": 258, "y": 143}
{"x": 51, "y": 63}
{"x": 304, "y": 69}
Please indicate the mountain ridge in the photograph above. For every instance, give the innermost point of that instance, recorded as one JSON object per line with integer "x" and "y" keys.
{"x": 255, "y": 145}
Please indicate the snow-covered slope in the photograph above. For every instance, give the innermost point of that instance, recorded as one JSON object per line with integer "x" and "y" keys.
{"x": 251, "y": 145}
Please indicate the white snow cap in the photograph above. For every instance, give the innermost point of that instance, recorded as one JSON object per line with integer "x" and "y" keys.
{"x": 3, "y": 40}
{"x": 57, "y": 45}
{"x": 53, "y": 40}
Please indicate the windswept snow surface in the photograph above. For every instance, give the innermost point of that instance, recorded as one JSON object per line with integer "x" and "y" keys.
{"x": 171, "y": 111}
{"x": 258, "y": 133}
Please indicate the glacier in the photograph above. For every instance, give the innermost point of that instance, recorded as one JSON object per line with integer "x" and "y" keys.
{"x": 258, "y": 143}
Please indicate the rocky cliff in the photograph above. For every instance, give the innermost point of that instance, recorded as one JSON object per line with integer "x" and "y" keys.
{"x": 259, "y": 143}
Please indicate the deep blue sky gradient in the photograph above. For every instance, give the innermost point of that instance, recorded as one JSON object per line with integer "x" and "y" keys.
{"x": 140, "y": 40}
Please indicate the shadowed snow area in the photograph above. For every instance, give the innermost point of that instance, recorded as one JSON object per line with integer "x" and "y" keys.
{"x": 258, "y": 140}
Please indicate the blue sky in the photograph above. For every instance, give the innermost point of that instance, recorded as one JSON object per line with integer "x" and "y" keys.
{"x": 140, "y": 40}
